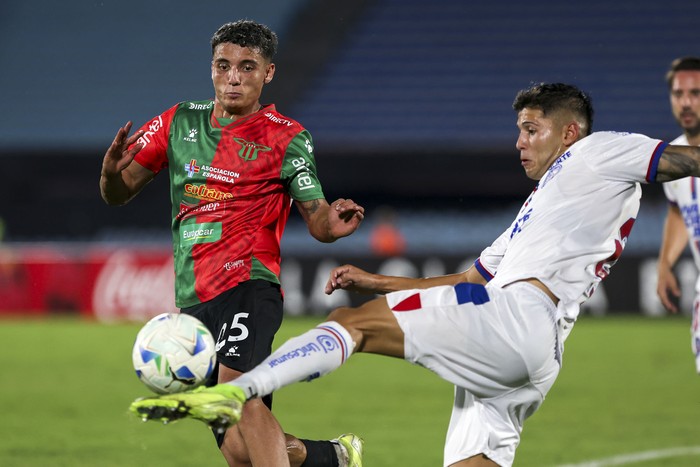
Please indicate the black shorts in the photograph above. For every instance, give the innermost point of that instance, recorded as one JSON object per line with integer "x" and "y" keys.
{"x": 243, "y": 321}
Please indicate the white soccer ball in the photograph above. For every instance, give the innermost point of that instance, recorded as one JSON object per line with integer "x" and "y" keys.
{"x": 173, "y": 352}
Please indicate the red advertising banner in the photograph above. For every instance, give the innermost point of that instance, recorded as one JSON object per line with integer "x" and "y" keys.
{"x": 108, "y": 283}
{"x": 135, "y": 283}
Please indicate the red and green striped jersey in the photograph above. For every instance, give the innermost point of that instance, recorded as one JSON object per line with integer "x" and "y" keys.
{"x": 231, "y": 185}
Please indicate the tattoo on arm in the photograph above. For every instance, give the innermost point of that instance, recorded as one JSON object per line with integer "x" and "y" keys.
{"x": 313, "y": 213}
{"x": 311, "y": 206}
{"x": 678, "y": 162}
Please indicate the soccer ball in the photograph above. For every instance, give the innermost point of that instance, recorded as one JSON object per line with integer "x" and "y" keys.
{"x": 173, "y": 352}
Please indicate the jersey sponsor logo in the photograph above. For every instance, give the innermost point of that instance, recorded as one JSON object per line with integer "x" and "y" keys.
{"x": 204, "y": 192}
{"x": 234, "y": 264}
{"x": 233, "y": 352}
{"x": 194, "y": 106}
{"x": 274, "y": 118}
{"x": 691, "y": 216}
{"x": 307, "y": 349}
{"x": 249, "y": 150}
{"x": 224, "y": 175}
{"x": 520, "y": 222}
{"x": 303, "y": 178}
{"x": 200, "y": 233}
{"x": 212, "y": 209}
{"x": 208, "y": 171}
{"x": 192, "y": 168}
{"x": 191, "y": 136}
{"x": 151, "y": 130}
{"x": 309, "y": 146}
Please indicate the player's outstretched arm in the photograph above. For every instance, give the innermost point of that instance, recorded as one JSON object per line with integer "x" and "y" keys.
{"x": 678, "y": 162}
{"x": 349, "y": 277}
{"x": 327, "y": 223}
{"x": 120, "y": 180}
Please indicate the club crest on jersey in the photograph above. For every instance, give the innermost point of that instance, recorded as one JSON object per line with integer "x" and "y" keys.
{"x": 192, "y": 168}
{"x": 551, "y": 173}
{"x": 249, "y": 150}
{"x": 555, "y": 168}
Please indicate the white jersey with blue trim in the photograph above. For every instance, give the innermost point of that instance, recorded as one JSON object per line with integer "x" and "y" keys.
{"x": 575, "y": 224}
{"x": 685, "y": 193}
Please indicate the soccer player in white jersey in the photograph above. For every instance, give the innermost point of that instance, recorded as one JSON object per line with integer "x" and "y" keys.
{"x": 495, "y": 331}
{"x": 682, "y": 225}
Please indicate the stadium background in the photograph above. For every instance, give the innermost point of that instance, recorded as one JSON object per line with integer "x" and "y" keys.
{"x": 408, "y": 103}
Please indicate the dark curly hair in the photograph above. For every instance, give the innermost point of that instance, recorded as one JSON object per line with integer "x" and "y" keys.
{"x": 247, "y": 33}
{"x": 554, "y": 97}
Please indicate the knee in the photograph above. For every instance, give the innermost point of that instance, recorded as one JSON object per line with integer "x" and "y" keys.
{"x": 342, "y": 316}
{"x": 233, "y": 449}
{"x": 257, "y": 418}
{"x": 253, "y": 412}
{"x": 372, "y": 327}
{"x": 295, "y": 450}
{"x": 352, "y": 322}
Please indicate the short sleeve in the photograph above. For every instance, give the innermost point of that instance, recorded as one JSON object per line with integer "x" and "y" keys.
{"x": 154, "y": 154}
{"x": 622, "y": 156}
{"x": 299, "y": 169}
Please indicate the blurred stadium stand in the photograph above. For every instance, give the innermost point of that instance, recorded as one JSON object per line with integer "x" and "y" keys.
{"x": 408, "y": 101}
{"x": 441, "y": 75}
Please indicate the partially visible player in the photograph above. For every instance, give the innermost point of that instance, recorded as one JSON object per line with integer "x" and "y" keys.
{"x": 683, "y": 217}
{"x": 235, "y": 167}
{"x": 501, "y": 343}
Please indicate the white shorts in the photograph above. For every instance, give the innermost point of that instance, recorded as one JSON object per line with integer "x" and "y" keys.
{"x": 501, "y": 348}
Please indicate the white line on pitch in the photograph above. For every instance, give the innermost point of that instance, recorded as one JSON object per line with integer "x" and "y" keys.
{"x": 638, "y": 457}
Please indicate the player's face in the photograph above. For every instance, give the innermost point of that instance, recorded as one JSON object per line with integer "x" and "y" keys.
{"x": 540, "y": 142}
{"x": 238, "y": 74}
{"x": 685, "y": 101}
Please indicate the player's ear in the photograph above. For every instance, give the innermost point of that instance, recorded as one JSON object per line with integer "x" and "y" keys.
{"x": 269, "y": 73}
{"x": 572, "y": 133}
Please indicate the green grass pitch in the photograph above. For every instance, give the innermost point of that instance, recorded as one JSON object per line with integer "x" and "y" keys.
{"x": 628, "y": 385}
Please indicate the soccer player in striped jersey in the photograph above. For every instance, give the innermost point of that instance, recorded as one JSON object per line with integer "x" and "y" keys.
{"x": 495, "y": 331}
{"x": 682, "y": 226}
{"x": 235, "y": 167}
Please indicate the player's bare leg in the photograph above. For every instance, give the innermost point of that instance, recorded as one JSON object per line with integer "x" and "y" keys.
{"x": 220, "y": 407}
{"x": 373, "y": 328}
{"x": 370, "y": 328}
{"x": 257, "y": 439}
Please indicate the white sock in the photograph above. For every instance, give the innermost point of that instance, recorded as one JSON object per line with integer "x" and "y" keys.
{"x": 303, "y": 358}
{"x": 341, "y": 453}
